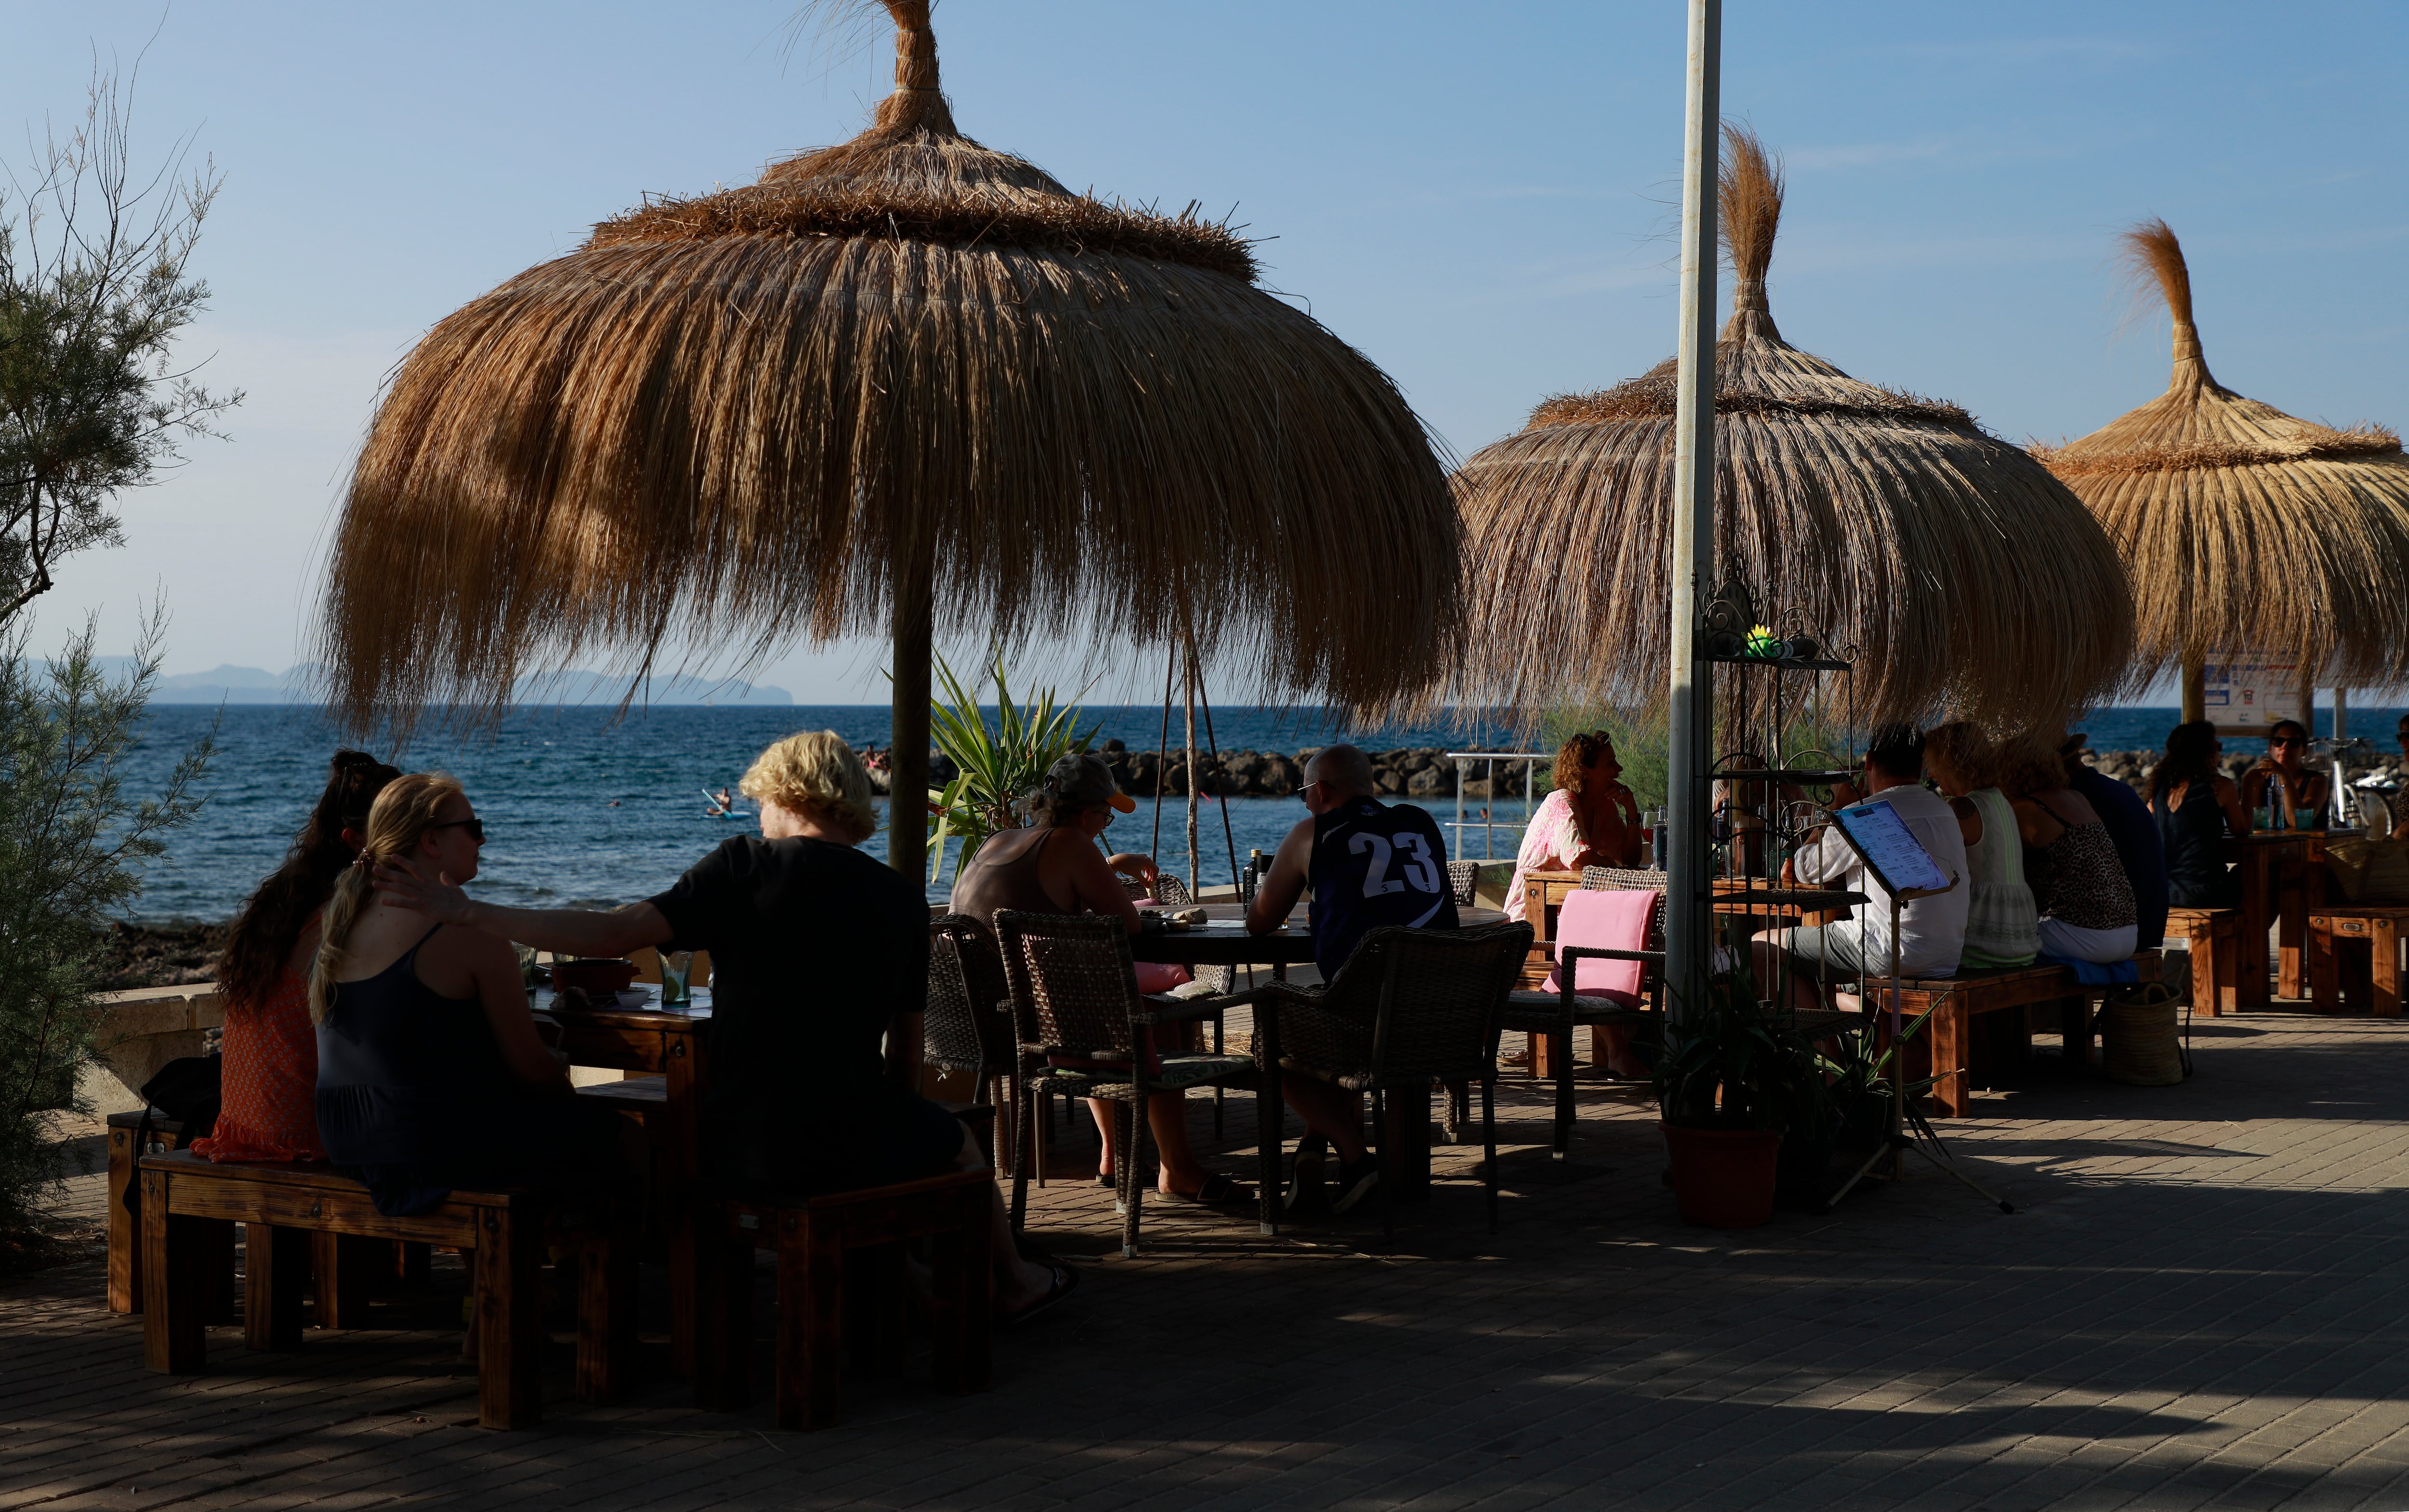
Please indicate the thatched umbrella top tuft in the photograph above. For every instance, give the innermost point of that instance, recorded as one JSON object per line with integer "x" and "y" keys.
{"x": 902, "y": 381}
{"x": 2246, "y": 528}
{"x": 1965, "y": 578}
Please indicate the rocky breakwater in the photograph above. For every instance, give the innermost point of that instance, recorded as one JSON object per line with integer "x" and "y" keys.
{"x": 1413, "y": 774}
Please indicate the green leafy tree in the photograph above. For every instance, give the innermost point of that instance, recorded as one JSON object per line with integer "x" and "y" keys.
{"x": 94, "y": 289}
{"x": 72, "y": 842}
{"x": 995, "y": 765}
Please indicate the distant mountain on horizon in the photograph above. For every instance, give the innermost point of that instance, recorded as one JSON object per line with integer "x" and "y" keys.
{"x": 257, "y": 685}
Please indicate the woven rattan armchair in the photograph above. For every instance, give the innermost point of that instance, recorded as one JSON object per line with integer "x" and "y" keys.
{"x": 1558, "y": 1014}
{"x": 967, "y": 1022}
{"x": 1075, "y": 993}
{"x": 1462, "y": 878}
{"x": 1409, "y": 1008}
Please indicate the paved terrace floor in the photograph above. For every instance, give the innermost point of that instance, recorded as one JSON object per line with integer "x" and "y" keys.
{"x": 2200, "y": 1304}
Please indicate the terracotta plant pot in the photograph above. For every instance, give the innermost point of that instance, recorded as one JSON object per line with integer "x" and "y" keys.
{"x": 1723, "y": 1178}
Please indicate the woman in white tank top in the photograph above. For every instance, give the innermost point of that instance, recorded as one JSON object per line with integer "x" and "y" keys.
{"x": 2002, "y": 927}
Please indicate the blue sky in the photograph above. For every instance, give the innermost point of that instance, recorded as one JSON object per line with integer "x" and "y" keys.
{"x": 1477, "y": 196}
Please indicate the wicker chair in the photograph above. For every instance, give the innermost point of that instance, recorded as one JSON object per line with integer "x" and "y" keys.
{"x": 1409, "y": 1008}
{"x": 1074, "y": 993}
{"x": 1460, "y": 878}
{"x": 1559, "y": 1013}
{"x": 967, "y": 1022}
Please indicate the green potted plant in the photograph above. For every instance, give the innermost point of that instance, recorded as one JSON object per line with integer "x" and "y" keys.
{"x": 1733, "y": 1076}
{"x": 995, "y": 765}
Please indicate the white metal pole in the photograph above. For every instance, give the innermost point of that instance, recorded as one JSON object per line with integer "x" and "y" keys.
{"x": 1690, "y": 701}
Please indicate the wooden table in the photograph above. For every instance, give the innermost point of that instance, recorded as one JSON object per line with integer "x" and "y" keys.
{"x": 636, "y": 1034}
{"x": 2282, "y": 877}
{"x": 1223, "y": 941}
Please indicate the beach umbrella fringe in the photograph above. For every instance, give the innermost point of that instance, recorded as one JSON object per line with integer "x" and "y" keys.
{"x": 907, "y": 370}
{"x": 1970, "y": 581}
{"x": 2247, "y": 529}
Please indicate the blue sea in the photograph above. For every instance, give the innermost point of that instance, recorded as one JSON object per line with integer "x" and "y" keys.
{"x": 585, "y": 811}
{"x": 582, "y": 810}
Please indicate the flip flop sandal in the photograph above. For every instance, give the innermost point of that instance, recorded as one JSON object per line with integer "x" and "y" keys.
{"x": 1066, "y": 1281}
{"x": 1218, "y": 1187}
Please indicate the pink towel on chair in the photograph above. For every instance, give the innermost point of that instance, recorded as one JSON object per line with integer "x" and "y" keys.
{"x": 1607, "y": 919}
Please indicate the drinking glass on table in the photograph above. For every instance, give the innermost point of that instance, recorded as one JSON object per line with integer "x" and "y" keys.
{"x": 677, "y": 973}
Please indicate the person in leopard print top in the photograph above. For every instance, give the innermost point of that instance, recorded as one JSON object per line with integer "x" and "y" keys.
{"x": 2078, "y": 882}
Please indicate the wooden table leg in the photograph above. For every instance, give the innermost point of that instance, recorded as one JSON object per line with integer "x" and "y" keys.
{"x": 2325, "y": 973}
{"x": 2384, "y": 967}
{"x": 2257, "y": 916}
{"x": 2292, "y": 926}
{"x": 686, "y": 1075}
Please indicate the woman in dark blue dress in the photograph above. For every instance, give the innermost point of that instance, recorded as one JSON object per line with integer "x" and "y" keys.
{"x": 430, "y": 1073}
{"x": 2196, "y": 806}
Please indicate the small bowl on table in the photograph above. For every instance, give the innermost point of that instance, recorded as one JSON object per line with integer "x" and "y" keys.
{"x": 595, "y": 978}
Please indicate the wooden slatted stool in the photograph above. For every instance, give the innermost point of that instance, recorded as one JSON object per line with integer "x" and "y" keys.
{"x": 284, "y": 1207}
{"x": 2337, "y": 981}
{"x": 2216, "y": 938}
{"x": 816, "y": 1238}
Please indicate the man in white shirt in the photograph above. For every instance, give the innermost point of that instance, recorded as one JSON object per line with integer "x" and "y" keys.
{"x": 1931, "y": 930}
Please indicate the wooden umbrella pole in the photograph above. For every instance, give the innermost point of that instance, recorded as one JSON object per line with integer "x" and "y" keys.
{"x": 907, "y": 768}
{"x": 1163, "y": 756}
{"x": 1213, "y": 751}
{"x": 2195, "y": 688}
{"x": 1193, "y": 884}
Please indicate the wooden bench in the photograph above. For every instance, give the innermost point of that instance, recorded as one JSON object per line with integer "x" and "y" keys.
{"x": 2336, "y": 980}
{"x": 841, "y": 1247}
{"x": 125, "y": 1223}
{"x": 2216, "y": 938}
{"x": 1957, "y": 1001}
{"x": 344, "y": 1267}
{"x": 188, "y": 1202}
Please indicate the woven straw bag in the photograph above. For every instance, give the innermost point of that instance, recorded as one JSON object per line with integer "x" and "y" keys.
{"x": 2138, "y": 1043}
{"x": 2371, "y": 871}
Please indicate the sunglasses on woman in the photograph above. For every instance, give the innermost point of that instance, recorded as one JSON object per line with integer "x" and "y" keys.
{"x": 476, "y": 828}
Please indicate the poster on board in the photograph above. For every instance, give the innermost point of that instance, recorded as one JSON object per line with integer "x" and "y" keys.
{"x": 2250, "y": 691}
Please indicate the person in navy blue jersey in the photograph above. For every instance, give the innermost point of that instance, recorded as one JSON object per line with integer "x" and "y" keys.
{"x": 1367, "y": 863}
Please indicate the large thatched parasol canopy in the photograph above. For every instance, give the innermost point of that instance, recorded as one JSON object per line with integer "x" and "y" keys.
{"x": 1966, "y": 578}
{"x": 903, "y": 380}
{"x": 2245, "y": 528}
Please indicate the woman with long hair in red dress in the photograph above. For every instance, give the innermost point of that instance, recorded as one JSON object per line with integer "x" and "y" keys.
{"x": 270, "y": 1075}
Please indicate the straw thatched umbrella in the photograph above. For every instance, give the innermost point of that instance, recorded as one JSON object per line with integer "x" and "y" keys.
{"x": 2247, "y": 529}
{"x": 1966, "y": 578}
{"x": 904, "y": 381}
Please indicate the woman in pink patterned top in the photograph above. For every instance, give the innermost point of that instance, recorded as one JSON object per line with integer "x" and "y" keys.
{"x": 268, "y": 1108}
{"x": 1591, "y": 819}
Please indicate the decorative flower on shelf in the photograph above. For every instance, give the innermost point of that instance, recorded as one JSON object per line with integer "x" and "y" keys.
{"x": 1763, "y": 643}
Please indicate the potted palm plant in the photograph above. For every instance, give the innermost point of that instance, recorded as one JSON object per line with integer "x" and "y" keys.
{"x": 995, "y": 765}
{"x": 1733, "y": 1076}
